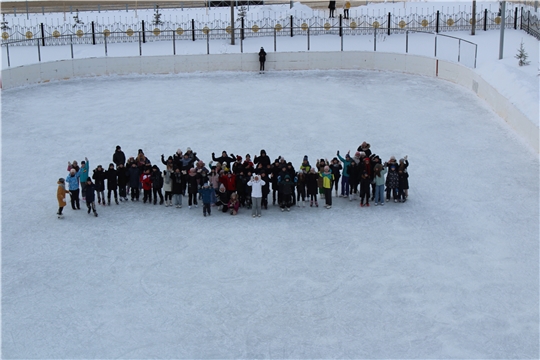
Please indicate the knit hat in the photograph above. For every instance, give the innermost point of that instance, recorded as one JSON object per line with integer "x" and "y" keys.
{"x": 61, "y": 180}
{"x": 83, "y": 162}
{"x": 140, "y": 151}
{"x": 188, "y": 149}
{"x": 224, "y": 163}
{"x": 111, "y": 164}
{"x": 357, "y": 154}
{"x": 238, "y": 158}
{"x": 118, "y": 147}
{"x": 89, "y": 179}
{"x": 305, "y": 158}
{"x": 392, "y": 157}
{"x": 362, "y": 154}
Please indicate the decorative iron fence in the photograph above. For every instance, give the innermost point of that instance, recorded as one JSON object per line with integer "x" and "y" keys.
{"x": 289, "y": 25}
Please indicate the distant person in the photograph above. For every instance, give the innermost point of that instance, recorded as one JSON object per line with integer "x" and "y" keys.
{"x": 346, "y": 8}
{"x": 332, "y": 7}
{"x": 262, "y": 59}
{"x": 119, "y": 157}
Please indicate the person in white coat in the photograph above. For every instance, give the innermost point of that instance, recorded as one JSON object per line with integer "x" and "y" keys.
{"x": 256, "y": 184}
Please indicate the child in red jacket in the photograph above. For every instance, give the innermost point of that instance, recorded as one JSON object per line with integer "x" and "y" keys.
{"x": 146, "y": 182}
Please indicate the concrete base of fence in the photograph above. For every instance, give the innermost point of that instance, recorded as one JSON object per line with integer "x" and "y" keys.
{"x": 350, "y": 60}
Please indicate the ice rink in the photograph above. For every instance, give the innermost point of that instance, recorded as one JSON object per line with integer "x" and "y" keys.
{"x": 451, "y": 273}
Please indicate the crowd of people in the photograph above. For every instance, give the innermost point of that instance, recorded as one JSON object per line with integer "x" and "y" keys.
{"x": 232, "y": 182}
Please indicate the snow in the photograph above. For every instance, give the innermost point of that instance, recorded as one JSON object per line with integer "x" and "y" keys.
{"x": 451, "y": 273}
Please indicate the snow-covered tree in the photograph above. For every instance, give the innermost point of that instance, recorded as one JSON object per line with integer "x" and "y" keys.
{"x": 157, "y": 17}
{"x": 522, "y": 56}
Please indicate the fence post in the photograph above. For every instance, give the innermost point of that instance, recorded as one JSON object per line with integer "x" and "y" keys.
{"x": 437, "y": 22}
{"x": 193, "y": 29}
{"x": 71, "y": 44}
{"x": 143, "y": 37}
{"x": 174, "y": 42}
{"x": 459, "y": 50}
{"x": 105, "y": 42}
{"x": 7, "y": 50}
{"x": 528, "y": 21}
{"x": 406, "y": 41}
{"x": 38, "y": 50}
{"x": 140, "y": 44}
{"x": 308, "y": 38}
{"x": 242, "y": 28}
{"x": 515, "y": 18}
{"x": 521, "y": 19}
{"x": 292, "y": 26}
{"x": 389, "y": 19}
{"x": 374, "y": 39}
{"x": 485, "y": 19}
{"x": 241, "y": 45}
{"x": 340, "y": 25}
{"x": 42, "y": 35}
{"x": 208, "y": 43}
{"x": 341, "y": 37}
{"x": 93, "y": 34}
{"x": 275, "y": 40}
{"x": 435, "y": 45}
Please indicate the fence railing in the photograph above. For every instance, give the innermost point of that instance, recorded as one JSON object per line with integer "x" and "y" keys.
{"x": 285, "y": 25}
{"x": 368, "y": 39}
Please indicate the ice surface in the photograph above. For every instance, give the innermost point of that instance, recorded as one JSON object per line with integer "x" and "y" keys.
{"x": 452, "y": 273}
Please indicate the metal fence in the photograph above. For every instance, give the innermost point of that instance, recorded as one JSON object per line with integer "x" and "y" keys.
{"x": 89, "y": 32}
{"x": 374, "y": 36}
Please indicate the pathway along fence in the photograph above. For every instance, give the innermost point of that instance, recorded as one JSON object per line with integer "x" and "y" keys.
{"x": 204, "y": 35}
{"x": 250, "y": 27}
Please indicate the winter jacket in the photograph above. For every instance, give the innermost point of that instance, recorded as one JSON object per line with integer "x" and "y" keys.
{"x": 262, "y": 55}
{"x": 99, "y": 179}
{"x": 286, "y": 186}
{"x": 311, "y": 183}
{"x": 84, "y": 171}
{"x": 176, "y": 178}
{"x": 206, "y": 193}
{"x": 262, "y": 159}
{"x": 89, "y": 193}
{"x": 146, "y": 180}
{"x": 379, "y": 180}
{"x": 214, "y": 180}
{"x": 365, "y": 184}
{"x": 392, "y": 179}
{"x": 112, "y": 179}
{"x": 61, "y": 194}
{"x": 119, "y": 157}
{"x": 354, "y": 173}
{"x": 134, "y": 174}
{"x": 234, "y": 205}
{"x": 123, "y": 176}
{"x": 224, "y": 159}
{"x": 403, "y": 180}
{"x": 157, "y": 179}
{"x": 223, "y": 197}
{"x": 229, "y": 182}
{"x": 327, "y": 179}
{"x": 167, "y": 180}
{"x": 73, "y": 181}
{"x": 256, "y": 187}
{"x": 193, "y": 180}
{"x": 346, "y": 164}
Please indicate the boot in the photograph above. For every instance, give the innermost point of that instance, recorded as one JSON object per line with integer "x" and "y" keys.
{"x": 116, "y": 200}
{"x": 161, "y": 202}
{"x": 311, "y": 203}
{"x": 316, "y": 204}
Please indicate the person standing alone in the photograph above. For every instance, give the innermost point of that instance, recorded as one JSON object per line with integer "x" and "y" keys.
{"x": 262, "y": 59}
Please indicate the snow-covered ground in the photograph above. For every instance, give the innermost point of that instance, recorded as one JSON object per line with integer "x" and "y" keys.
{"x": 451, "y": 273}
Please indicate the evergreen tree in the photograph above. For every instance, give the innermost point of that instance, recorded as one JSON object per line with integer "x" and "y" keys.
{"x": 522, "y": 55}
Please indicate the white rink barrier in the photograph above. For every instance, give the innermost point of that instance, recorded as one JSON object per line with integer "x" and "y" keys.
{"x": 350, "y": 60}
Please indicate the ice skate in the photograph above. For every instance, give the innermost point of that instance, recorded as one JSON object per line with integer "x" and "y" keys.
{"x": 367, "y": 204}
{"x": 95, "y": 214}
{"x": 316, "y": 204}
{"x": 311, "y": 203}
{"x": 116, "y": 201}
{"x": 161, "y": 202}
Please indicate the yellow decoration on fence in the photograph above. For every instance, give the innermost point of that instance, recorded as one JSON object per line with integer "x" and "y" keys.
{"x": 450, "y": 22}
{"x": 228, "y": 29}
{"x": 471, "y": 21}
{"x": 56, "y": 33}
{"x": 79, "y": 33}
{"x": 347, "y": 5}
{"x": 254, "y": 28}
{"x": 5, "y": 35}
{"x": 424, "y": 23}
{"x": 278, "y": 27}
{"x": 107, "y": 32}
{"x": 376, "y": 24}
{"x": 353, "y": 25}
{"x": 304, "y": 26}
{"x": 29, "y": 35}
{"x": 156, "y": 31}
{"x": 327, "y": 26}
{"x": 402, "y": 24}
{"x": 205, "y": 30}
{"x": 498, "y": 20}
{"x": 129, "y": 32}
{"x": 179, "y": 31}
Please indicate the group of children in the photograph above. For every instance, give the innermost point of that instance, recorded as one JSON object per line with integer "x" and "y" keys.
{"x": 232, "y": 183}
